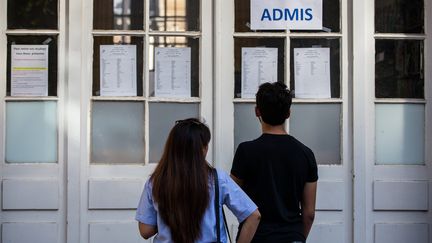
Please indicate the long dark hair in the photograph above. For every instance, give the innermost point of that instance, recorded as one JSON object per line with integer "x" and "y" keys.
{"x": 180, "y": 181}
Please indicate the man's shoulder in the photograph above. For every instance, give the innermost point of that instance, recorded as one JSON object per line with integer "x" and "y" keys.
{"x": 260, "y": 141}
{"x": 301, "y": 145}
{"x": 261, "y": 144}
{"x": 249, "y": 143}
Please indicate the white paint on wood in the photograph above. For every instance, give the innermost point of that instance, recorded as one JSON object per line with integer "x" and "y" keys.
{"x": 115, "y": 232}
{"x": 330, "y": 195}
{"x": 30, "y": 194}
{"x": 400, "y": 195}
{"x": 38, "y": 232}
{"x": 114, "y": 194}
{"x": 327, "y": 233}
{"x": 401, "y": 233}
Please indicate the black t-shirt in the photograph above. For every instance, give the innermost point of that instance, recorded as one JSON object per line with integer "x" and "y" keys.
{"x": 274, "y": 170}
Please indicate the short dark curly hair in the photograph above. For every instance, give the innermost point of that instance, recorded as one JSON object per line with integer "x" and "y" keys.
{"x": 274, "y": 102}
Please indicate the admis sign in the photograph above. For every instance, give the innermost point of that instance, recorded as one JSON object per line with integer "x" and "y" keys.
{"x": 286, "y": 14}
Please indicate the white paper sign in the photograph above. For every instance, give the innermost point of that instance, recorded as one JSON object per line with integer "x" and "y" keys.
{"x": 118, "y": 75}
{"x": 259, "y": 65}
{"x": 29, "y": 70}
{"x": 286, "y": 14}
{"x": 312, "y": 72}
{"x": 172, "y": 72}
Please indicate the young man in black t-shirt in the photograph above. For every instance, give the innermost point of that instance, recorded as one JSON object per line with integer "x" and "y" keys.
{"x": 278, "y": 172}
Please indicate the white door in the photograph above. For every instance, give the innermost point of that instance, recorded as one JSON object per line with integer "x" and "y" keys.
{"x": 392, "y": 121}
{"x": 75, "y": 159}
{"x": 323, "y": 124}
{"x": 32, "y": 166}
{"x": 116, "y": 139}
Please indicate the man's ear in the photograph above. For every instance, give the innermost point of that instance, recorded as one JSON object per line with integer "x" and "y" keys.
{"x": 257, "y": 112}
{"x": 288, "y": 114}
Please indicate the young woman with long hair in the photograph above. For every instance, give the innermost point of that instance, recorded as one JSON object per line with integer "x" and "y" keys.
{"x": 177, "y": 204}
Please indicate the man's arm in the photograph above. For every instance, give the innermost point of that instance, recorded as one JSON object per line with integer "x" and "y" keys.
{"x": 146, "y": 230}
{"x": 308, "y": 206}
{"x": 249, "y": 228}
{"x": 237, "y": 180}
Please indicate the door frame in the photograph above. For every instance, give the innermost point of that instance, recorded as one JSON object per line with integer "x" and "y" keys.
{"x": 366, "y": 172}
{"x": 81, "y": 173}
{"x": 341, "y": 219}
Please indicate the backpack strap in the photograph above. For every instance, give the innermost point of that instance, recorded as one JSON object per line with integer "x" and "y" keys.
{"x": 226, "y": 225}
{"x": 216, "y": 205}
{"x": 217, "y": 210}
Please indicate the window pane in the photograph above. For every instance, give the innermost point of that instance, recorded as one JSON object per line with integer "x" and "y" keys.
{"x": 399, "y": 70}
{"x": 331, "y": 17}
{"x": 176, "y": 41}
{"x": 117, "y": 40}
{"x": 242, "y": 17}
{"x": 30, "y": 14}
{"x": 31, "y": 132}
{"x": 51, "y": 41}
{"x": 399, "y": 16}
{"x": 400, "y": 134}
{"x": 117, "y": 135}
{"x": 240, "y": 43}
{"x": 162, "y": 119}
{"x": 118, "y": 14}
{"x": 175, "y": 15}
{"x": 246, "y": 124}
{"x": 318, "y": 127}
{"x": 335, "y": 55}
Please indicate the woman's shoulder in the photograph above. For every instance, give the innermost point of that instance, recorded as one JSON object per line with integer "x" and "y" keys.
{"x": 223, "y": 176}
{"x": 148, "y": 183}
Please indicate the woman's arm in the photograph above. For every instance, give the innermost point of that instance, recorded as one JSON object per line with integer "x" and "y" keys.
{"x": 146, "y": 230}
{"x": 250, "y": 225}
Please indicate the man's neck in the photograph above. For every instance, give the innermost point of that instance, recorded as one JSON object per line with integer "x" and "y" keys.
{"x": 269, "y": 129}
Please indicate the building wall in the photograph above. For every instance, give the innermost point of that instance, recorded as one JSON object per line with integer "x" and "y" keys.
{"x": 74, "y": 160}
